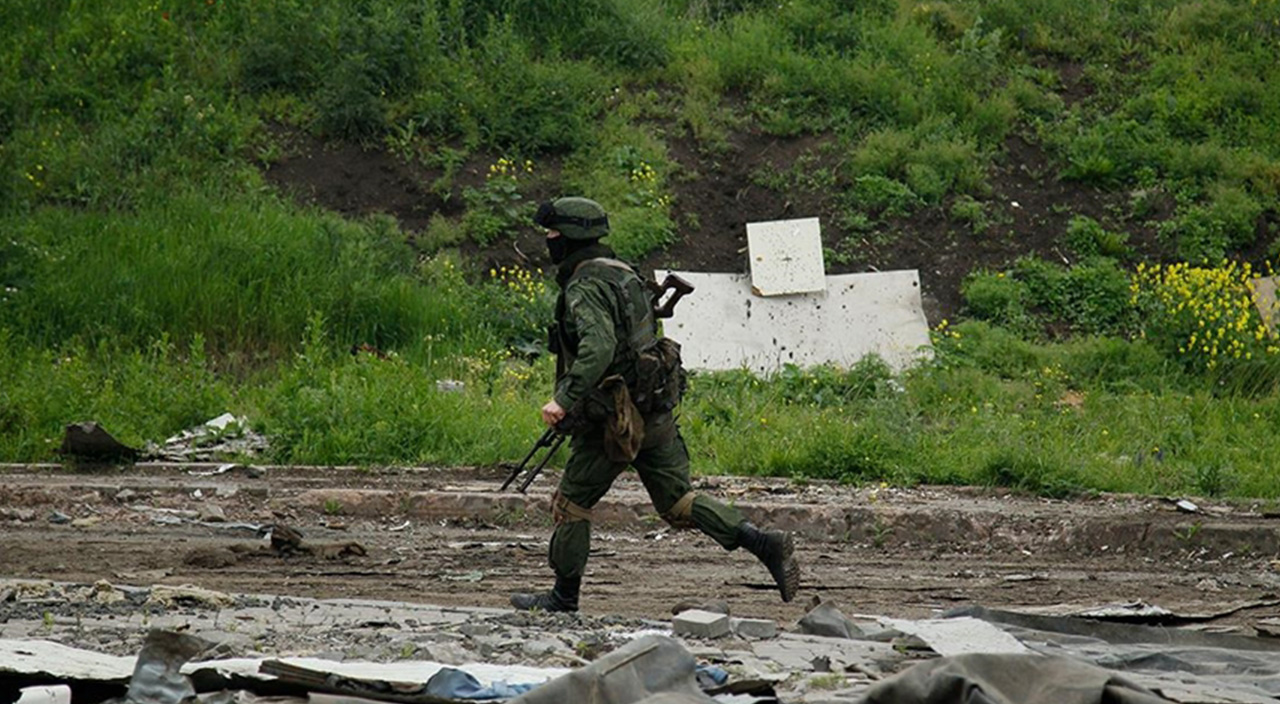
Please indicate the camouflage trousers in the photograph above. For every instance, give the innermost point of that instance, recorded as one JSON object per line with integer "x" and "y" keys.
{"x": 663, "y": 466}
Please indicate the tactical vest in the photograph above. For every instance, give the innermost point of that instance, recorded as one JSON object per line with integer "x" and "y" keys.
{"x": 635, "y": 327}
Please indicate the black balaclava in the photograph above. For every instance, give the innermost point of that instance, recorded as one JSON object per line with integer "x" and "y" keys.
{"x": 561, "y": 247}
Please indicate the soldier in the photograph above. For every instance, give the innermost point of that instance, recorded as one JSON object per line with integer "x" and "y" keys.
{"x": 605, "y": 337}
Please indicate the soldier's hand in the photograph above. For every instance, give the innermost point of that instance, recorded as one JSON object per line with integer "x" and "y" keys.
{"x": 552, "y": 413}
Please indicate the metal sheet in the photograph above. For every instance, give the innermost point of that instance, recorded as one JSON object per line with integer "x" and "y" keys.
{"x": 723, "y": 326}
{"x": 786, "y": 257}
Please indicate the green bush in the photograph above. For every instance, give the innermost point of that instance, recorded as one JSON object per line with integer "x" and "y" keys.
{"x": 971, "y": 212}
{"x": 1205, "y": 233}
{"x": 1095, "y": 298}
{"x": 1087, "y": 238}
{"x": 883, "y": 196}
{"x": 1033, "y": 296}
{"x": 998, "y": 298}
{"x": 349, "y": 103}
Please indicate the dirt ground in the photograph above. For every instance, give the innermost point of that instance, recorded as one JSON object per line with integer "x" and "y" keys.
{"x": 446, "y": 537}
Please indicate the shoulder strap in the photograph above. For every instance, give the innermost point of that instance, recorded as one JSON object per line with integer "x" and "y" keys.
{"x": 638, "y": 337}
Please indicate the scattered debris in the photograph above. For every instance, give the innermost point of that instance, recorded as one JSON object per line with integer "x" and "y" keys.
{"x": 248, "y": 470}
{"x": 754, "y": 628}
{"x": 226, "y": 435}
{"x": 450, "y": 386}
{"x": 1009, "y": 679}
{"x": 645, "y": 667}
{"x": 188, "y": 595}
{"x": 284, "y": 539}
{"x": 91, "y": 442}
{"x": 157, "y": 677}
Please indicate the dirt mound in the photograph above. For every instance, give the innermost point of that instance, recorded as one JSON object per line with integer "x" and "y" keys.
{"x": 717, "y": 193}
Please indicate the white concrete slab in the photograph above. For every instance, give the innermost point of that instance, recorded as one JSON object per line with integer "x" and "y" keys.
{"x": 786, "y": 257}
{"x": 34, "y": 657}
{"x": 959, "y": 636}
{"x": 42, "y": 657}
{"x": 722, "y": 325}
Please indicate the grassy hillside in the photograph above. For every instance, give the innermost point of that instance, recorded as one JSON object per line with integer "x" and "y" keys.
{"x": 1085, "y": 186}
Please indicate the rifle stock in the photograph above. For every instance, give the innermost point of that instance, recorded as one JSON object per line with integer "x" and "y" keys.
{"x": 679, "y": 289}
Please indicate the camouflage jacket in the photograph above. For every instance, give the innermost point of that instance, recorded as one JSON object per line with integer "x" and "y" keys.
{"x": 604, "y": 318}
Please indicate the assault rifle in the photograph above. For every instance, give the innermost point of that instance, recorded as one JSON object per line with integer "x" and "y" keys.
{"x": 552, "y": 439}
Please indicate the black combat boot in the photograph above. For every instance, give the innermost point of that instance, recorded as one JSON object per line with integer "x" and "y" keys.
{"x": 562, "y": 597}
{"x": 775, "y": 549}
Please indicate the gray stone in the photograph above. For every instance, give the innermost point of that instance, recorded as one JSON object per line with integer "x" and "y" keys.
{"x": 227, "y": 644}
{"x": 212, "y": 513}
{"x": 541, "y": 647}
{"x": 826, "y": 620}
{"x": 447, "y": 653}
{"x": 25, "y": 515}
{"x": 700, "y": 624}
{"x": 759, "y": 628}
{"x": 472, "y": 630}
{"x": 125, "y": 495}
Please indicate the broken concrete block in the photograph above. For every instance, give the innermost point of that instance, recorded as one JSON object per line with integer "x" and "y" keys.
{"x": 716, "y": 606}
{"x": 700, "y": 624}
{"x": 759, "y": 628}
{"x": 824, "y": 619}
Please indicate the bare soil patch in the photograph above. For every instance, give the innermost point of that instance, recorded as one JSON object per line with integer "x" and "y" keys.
{"x": 440, "y": 537}
{"x": 718, "y": 192}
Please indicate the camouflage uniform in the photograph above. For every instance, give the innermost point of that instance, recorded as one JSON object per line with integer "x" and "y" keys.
{"x": 604, "y": 316}
{"x": 604, "y": 321}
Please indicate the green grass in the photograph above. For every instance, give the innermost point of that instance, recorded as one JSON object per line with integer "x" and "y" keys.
{"x": 150, "y": 280}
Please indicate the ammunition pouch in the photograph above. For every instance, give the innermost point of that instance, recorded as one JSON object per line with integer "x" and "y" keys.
{"x": 660, "y": 378}
{"x": 624, "y": 425}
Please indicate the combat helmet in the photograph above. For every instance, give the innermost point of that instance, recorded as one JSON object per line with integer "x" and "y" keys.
{"x": 574, "y": 217}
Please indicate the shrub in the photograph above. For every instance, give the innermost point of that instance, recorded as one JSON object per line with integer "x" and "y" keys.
{"x": 1205, "y": 233}
{"x": 971, "y": 212}
{"x": 998, "y": 298}
{"x": 884, "y": 196}
{"x": 1095, "y": 298}
{"x": 349, "y": 104}
{"x": 1034, "y": 295}
{"x": 1087, "y": 238}
{"x": 1204, "y": 317}
{"x": 498, "y": 208}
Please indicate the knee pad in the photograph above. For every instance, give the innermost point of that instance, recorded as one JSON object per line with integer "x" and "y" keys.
{"x": 565, "y": 511}
{"x": 680, "y": 515}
